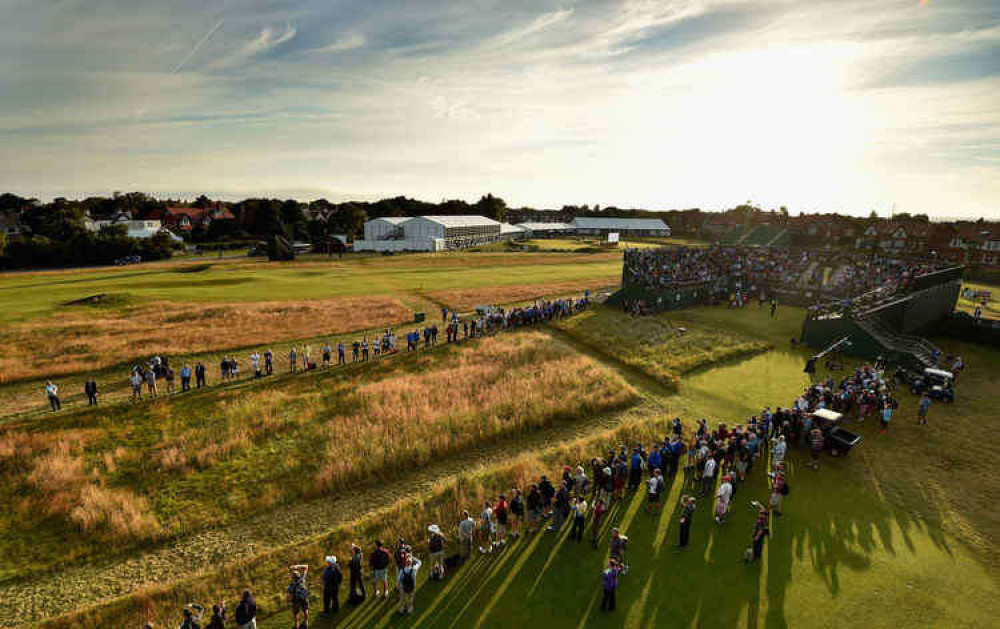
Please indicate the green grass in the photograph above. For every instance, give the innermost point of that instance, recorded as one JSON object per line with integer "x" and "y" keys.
{"x": 24, "y": 296}
{"x": 903, "y": 532}
{"x": 662, "y": 347}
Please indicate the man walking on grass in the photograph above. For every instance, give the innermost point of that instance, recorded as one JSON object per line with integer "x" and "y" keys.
{"x": 922, "y": 408}
{"x": 52, "y": 392}
{"x": 466, "y": 531}
{"x": 656, "y": 486}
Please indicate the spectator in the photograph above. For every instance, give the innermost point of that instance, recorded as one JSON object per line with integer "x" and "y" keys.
{"x": 435, "y": 544}
{"x": 816, "y": 443}
{"x": 922, "y": 408}
{"x": 379, "y": 562}
{"x": 192, "y": 617}
{"x": 185, "y": 378}
{"x": 535, "y": 505}
{"x": 408, "y": 584}
{"x": 609, "y": 583}
{"x": 268, "y": 361}
{"x": 357, "y": 585}
{"x": 292, "y": 358}
{"x": 517, "y": 513}
{"x": 779, "y": 488}
{"x": 218, "y": 620}
{"x": 199, "y": 375}
{"x": 486, "y": 528}
{"x": 332, "y": 578}
{"x": 761, "y": 530}
{"x": 246, "y": 611}
{"x": 687, "y": 514}
{"x": 501, "y": 514}
{"x": 779, "y": 451}
{"x": 136, "y": 380}
{"x": 579, "y": 519}
{"x": 708, "y": 476}
{"x": 466, "y": 532}
{"x": 656, "y": 487}
{"x": 723, "y": 497}
{"x": 90, "y": 388}
{"x": 168, "y": 374}
{"x": 599, "y": 511}
{"x": 151, "y": 382}
{"x": 298, "y": 594}
{"x": 52, "y": 392}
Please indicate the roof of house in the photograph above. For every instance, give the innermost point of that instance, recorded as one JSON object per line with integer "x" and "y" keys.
{"x": 395, "y": 220}
{"x": 619, "y": 223}
{"x": 195, "y": 212}
{"x": 507, "y": 228}
{"x": 460, "y": 221}
{"x": 540, "y": 227}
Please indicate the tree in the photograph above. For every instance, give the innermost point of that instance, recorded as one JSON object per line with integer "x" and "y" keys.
{"x": 873, "y": 216}
{"x": 3, "y": 244}
{"x": 202, "y": 202}
{"x": 492, "y": 207}
{"x": 349, "y": 220}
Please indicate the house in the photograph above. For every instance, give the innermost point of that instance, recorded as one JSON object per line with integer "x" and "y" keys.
{"x": 11, "y": 225}
{"x": 186, "y": 219}
{"x": 976, "y": 243}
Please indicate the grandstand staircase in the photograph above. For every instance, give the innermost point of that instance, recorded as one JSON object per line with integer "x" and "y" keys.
{"x": 916, "y": 348}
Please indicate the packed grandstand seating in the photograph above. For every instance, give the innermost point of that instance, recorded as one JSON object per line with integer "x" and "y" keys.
{"x": 838, "y": 279}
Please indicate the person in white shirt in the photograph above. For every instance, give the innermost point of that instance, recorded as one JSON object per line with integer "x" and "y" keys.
{"x": 708, "y": 476}
{"x": 255, "y": 361}
{"x": 656, "y": 486}
{"x": 779, "y": 451}
{"x": 52, "y": 391}
{"x": 723, "y": 497}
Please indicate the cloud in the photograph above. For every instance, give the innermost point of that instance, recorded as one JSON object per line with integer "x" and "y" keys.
{"x": 539, "y": 24}
{"x": 268, "y": 39}
{"x": 345, "y": 42}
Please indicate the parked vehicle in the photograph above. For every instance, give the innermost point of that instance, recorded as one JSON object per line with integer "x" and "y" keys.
{"x": 938, "y": 383}
{"x": 128, "y": 260}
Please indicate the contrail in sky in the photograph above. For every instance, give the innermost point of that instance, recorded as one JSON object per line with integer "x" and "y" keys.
{"x": 204, "y": 39}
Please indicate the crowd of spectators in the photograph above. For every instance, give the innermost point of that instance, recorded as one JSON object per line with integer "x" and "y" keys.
{"x": 711, "y": 464}
{"x": 839, "y": 279}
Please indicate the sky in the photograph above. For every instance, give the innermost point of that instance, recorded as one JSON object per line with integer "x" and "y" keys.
{"x": 817, "y": 105}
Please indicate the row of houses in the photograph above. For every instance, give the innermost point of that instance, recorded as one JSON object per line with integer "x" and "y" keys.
{"x": 439, "y": 233}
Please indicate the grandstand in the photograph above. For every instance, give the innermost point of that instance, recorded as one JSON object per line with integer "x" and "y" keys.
{"x": 765, "y": 235}
{"x": 734, "y": 235}
{"x": 890, "y": 325}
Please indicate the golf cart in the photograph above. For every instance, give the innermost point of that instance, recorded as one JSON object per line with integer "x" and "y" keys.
{"x": 839, "y": 440}
{"x": 936, "y": 382}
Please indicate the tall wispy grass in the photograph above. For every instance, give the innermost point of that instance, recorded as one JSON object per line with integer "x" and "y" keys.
{"x": 506, "y": 385}
{"x": 86, "y": 338}
{"x": 407, "y": 518}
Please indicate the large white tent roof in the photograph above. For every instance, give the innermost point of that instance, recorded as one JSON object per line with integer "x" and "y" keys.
{"x": 460, "y": 221}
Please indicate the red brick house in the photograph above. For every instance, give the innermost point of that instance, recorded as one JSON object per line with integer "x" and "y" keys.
{"x": 186, "y": 219}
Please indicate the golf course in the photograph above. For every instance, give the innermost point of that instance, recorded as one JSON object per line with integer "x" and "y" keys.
{"x": 125, "y": 512}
